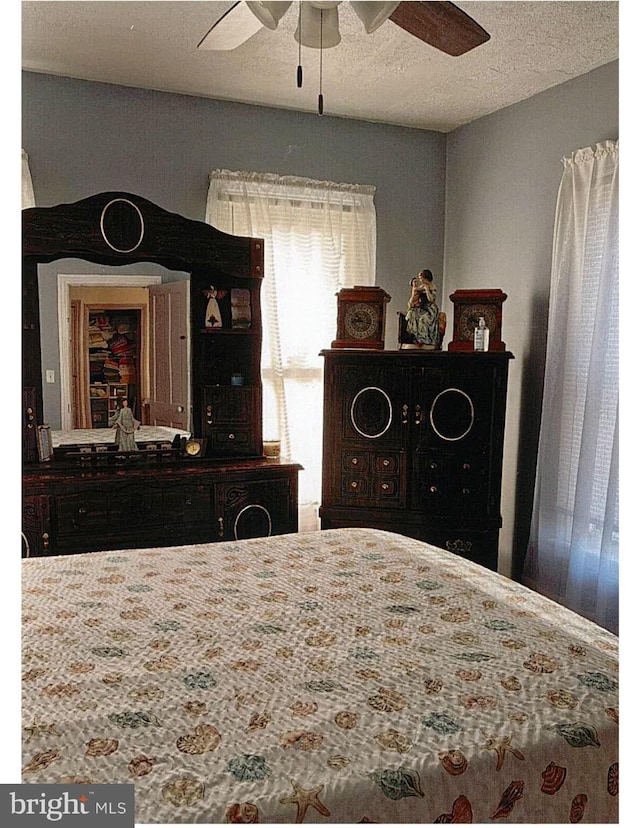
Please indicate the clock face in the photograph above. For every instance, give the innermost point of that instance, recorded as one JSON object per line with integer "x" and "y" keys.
{"x": 469, "y": 316}
{"x": 361, "y": 321}
{"x": 193, "y": 448}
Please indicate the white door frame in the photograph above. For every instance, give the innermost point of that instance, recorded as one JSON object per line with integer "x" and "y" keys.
{"x": 65, "y": 282}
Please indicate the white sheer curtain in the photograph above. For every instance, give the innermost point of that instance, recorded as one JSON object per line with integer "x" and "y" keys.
{"x": 573, "y": 547}
{"x": 319, "y": 237}
{"x": 28, "y": 198}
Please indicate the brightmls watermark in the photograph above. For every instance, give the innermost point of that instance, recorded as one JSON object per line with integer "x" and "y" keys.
{"x": 33, "y": 805}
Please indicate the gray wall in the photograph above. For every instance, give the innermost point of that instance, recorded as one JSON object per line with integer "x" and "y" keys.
{"x": 503, "y": 174}
{"x": 83, "y": 138}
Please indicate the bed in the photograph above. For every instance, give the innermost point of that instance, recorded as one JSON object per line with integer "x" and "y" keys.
{"x": 93, "y": 437}
{"x": 342, "y": 676}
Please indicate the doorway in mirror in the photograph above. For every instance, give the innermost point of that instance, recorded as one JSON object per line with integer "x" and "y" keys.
{"x": 153, "y": 360}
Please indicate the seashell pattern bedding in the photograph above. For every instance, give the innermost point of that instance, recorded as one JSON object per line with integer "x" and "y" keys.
{"x": 343, "y": 676}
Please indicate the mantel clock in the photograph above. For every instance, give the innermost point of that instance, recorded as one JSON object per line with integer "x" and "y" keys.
{"x": 361, "y": 317}
{"x": 468, "y": 307}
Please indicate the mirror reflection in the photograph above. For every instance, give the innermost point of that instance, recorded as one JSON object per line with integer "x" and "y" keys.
{"x": 109, "y": 334}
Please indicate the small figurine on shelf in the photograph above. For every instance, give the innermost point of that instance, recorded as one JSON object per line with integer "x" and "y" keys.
{"x": 126, "y": 425}
{"x": 425, "y": 325}
{"x": 212, "y": 316}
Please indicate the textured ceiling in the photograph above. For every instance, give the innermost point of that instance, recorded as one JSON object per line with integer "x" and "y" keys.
{"x": 388, "y": 76}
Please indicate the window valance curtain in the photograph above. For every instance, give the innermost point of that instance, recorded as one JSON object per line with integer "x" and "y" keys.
{"x": 319, "y": 237}
{"x": 573, "y": 547}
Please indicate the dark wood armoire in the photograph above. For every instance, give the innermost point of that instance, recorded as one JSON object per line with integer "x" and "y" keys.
{"x": 413, "y": 444}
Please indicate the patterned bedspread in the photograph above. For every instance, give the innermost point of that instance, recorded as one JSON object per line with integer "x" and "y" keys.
{"x": 342, "y": 676}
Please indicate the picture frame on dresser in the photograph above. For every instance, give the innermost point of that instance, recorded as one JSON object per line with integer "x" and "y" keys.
{"x": 45, "y": 444}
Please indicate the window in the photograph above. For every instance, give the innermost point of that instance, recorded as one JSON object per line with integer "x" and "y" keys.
{"x": 573, "y": 547}
{"x": 319, "y": 237}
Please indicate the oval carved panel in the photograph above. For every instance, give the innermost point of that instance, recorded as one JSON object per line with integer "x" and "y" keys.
{"x": 122, "y": 225}
{"x": 452, "y": 414}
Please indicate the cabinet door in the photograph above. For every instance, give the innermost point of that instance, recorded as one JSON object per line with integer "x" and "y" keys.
{"x": 364, "y": 446}
{"x": 36, "y": 526}
{"x": 231, "y": 421}
{"x": 375, "y": 404}
{"x": 455, "y": 441}
{"x": 252, "y": 509}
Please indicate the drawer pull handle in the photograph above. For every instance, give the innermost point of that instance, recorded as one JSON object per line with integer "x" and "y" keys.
{"x": 232, "y": 436}
{"x": 354, "y": 485}
{"x": 385, "y": 487}
{"x": 466, "y": 466}
{"x": 221, "y": 527}
{"x": 433, "y": 465}
{"x": 45, "y": 541}
{"x": 418, "y": 415}
{"x": 433, "y": 489}
{"x": 405, "y": 413}
{"x": 188, "y": 502}
{"x": 386, "y": 462}
{"x": 354, "y": 461}
{"x": 466, "y": 491}
{"x": 82, "y": 511}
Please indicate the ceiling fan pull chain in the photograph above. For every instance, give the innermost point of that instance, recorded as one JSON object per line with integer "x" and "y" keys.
{"x": 320, "y": 98}
{"x": 299, "y": 75}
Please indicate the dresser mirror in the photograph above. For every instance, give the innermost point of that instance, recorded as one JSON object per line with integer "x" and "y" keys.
{"x": 216, "y": 485}
{"x": 112, "y": 239}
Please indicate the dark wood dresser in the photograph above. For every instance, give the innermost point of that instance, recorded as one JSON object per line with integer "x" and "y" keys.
{"x": 67, "y": 510}
{"x": 80, "y": 502}
{"x": 413, "y": 444}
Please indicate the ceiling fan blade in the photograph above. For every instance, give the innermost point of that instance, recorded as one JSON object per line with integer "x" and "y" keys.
{"x": 440, "y": 24}
{"x": 231, "y": 30}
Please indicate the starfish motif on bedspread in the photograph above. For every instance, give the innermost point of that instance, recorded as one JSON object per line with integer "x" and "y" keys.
{"x": 304, "y": 799}
{"x": 502, "y": 747}
{"x": 41, "y": 729}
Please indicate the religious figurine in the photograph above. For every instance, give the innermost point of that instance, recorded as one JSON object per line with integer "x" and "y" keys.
{"x": 125, "y": 424}
{"x": 425, "y": 324}
{"x": 212, "y": 315}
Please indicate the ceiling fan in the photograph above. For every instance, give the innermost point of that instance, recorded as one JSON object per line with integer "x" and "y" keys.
{"x": 440, "y": 24}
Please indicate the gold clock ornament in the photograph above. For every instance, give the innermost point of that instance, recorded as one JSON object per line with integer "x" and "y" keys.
{"x": 195, "y": 447}
{"x": 468, "y": 307}
{"x": 361, "y": 318}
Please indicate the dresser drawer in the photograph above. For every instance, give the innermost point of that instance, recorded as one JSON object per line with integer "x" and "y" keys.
{"x": 387, "y": 463}
{"x": 135, "y": 506}
{"x": 80, "y": 512}
{"x": 224, "y": 404}
{"x": 231, "y": 441}
{"x": 188, "y": 504}
{"x": 354, "y": 486}
{"x": 386, "y": 488}
{"x": 355, "y": 461}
